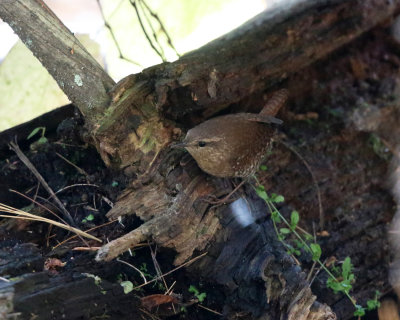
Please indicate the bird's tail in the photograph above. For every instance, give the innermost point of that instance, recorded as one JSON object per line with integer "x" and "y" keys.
{"x": 276, "y": 102}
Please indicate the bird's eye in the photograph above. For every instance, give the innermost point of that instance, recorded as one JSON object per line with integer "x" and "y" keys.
{"x": 201, "y": 144}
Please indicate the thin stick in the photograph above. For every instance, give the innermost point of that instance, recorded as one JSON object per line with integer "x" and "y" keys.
{"x": 151, "y": 27}
{"x": 40, "y": 205}
{"x": 155, "y": 16}
{"x": 321, "y": 210}
{"x": 108, "y": 26}
{"x": 29, "y": 216}
{"x": 91, "y": 229}
{"x": 31, "y": 167}
{"x": 46, "y": 209}
{"x": 169, "y": 290}
{"x": 156, "y": 265}
{"x": 86, "y": 249}
{"x": 316, "y": 273}
{"x": 77, "y": 185}
{"x": 172, "y": 271}
{"x": 80, "y": 170}
{"x": 210, "y": 310}
{"x": 134, "y": 268}
{"x": 133, "y": 2}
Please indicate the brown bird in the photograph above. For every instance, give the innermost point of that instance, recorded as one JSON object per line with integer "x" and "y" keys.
{"x": 234, "y": 145}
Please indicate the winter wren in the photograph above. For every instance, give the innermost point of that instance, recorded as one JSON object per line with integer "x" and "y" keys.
{"x": 234, "y": 145}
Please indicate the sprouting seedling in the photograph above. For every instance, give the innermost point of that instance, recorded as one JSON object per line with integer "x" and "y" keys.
{"x": 89, "y": 217}
{"x": 199, "y": 295}
{"x": 42, "y": 139}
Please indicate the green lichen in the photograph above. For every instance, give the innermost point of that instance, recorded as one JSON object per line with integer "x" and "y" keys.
{"x": 78, "y": 80}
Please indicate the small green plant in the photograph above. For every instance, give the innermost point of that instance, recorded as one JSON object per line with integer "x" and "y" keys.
{"x": 89, "y": 217}
{"x": 345, "y": 274}
{"x": 114, "y": 184}
{"x": 379, "y": 148}
{"x": 199, "y": 295}
{"x": 306, "y": 242}
{"x": 374, "y": 303}
{"x": 127, "y": 286}
{"x": 42, "y": 139}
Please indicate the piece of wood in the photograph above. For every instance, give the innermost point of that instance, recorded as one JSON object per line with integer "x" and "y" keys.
{"x": 34, "y": 293}
{"x": 77, "y": 73}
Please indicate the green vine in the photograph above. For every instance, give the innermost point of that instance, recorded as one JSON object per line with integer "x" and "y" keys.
{"x": 340, "y": 279}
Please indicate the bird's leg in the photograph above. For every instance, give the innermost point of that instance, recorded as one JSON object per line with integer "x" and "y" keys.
{"x": 226, "y": 198}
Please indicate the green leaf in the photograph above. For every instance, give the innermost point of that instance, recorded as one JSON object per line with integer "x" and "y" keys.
{"x": 127, "y": 285}
{"x": 316, "y": 251}
{"x": 346, "y": 268}
{"x": 263, "y": 168}
{"x": 42, "y": 140}
{"x": 261, "y": 193}
{"x": 308, "y": 237}
{"x": 193, "y": 289}
{"x": 114, "y": 184}
{"x": 201, "y": 296}
{"x": 298, "y": 244}
{"x": 284, "y": 230}
{"x": 332, "y": 283}
{"x": 90, "y": 217}
{"x": 294, "y": 219}
{"x": 373, "y": 304}
{"x": 276, "y": 198}
{"x": 281, "y": 237}
{"x": 275, "y": 216}
{"x": 34, "y": 131}
{"x": 360, "y": 311}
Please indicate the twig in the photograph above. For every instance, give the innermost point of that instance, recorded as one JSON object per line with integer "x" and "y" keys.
{"x": 108, "y": 201}
{"x": 31, "y": 167}
{"x": 108, "y": 26}
{"x": 46, "y": 209}
{"x": 80, "y": 170}
{"x": 77, "y": 185}
{"x": 321, "y": 210}
{"x": 133, "y": 2}
{"x": 91, "y": 229}
{"x": 169, "y": 290}
{"x": 39, "y": 204}
{"x": 151, "y": 27}
{"x": 172, "y": 271}
{"x": 210, "y": 310}
{"x": 86, "y": 249}
{"x": 155, "y": 16}
{"x": 133, "y": 267}
{"x": 29, "y": 216}
{"x": 156, "y": 265}
{"x": 316, "y": 273}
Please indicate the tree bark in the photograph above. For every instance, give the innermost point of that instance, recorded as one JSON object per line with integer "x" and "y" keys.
{"x": 77, "y": 73}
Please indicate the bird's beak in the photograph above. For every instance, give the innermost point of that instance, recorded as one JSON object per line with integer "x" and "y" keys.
{"x": 179, "y": 145}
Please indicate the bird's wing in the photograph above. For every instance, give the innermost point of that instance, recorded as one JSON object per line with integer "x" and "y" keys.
{"x": 260, "y": 118}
